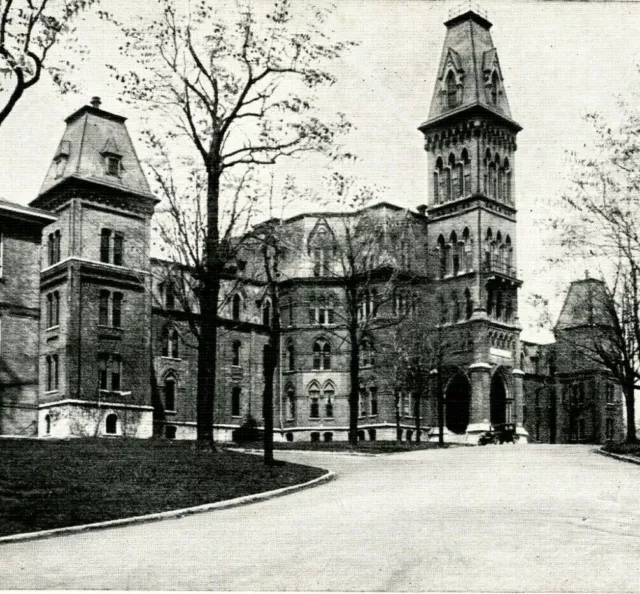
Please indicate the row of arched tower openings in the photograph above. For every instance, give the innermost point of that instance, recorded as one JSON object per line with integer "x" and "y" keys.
{"x": 452, "y": 179}
{"x": 497, "y": 179}
{"x": 498, "y": 253}
{"x": 456, "y": 254}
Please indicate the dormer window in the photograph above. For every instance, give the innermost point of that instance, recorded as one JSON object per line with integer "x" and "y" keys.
{"x": 112, "y": 165}
{"x": 451, "y": 89}
{"x": 61, "y": 157}
{"x": 495, "y": 88}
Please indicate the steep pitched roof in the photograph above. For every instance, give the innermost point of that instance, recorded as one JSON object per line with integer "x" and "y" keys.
{"x": 469, "y": 52}
{"x": 90, "y": 136}
{"x": 587, "y": 302}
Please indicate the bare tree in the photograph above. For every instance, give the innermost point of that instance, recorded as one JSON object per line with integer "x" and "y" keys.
{"x": 29, "y": 29}
{"x": 239, "y": 93}
{"x": 603, "y": 229}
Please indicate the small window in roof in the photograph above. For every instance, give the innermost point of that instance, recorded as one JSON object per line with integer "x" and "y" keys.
{"x": 112, "y": 164}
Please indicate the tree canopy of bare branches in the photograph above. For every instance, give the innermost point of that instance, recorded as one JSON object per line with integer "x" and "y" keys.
{"x": 235, "y": 85}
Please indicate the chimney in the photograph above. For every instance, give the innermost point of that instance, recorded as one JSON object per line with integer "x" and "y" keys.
{"x": 95, "y": 102}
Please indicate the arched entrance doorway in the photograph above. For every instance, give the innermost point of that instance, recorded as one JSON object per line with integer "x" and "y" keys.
{"x": 499, "y": 400}
{"x": 458, "y": 398}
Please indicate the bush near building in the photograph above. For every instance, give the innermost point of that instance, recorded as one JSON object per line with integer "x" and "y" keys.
{"x": 52, "y": 484}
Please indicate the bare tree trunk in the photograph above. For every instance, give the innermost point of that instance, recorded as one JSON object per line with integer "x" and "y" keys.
{"x": 270, "y": 364}
{"x": 417, "y": 414}
{"x": 354, "y": 376}
{"x": 629, "y": 399}
{"x": 207, "y": 357}
{"x": 397, "y": 397}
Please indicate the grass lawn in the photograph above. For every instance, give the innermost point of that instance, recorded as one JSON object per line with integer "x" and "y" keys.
{"x": 50, "y": 484}
{"x": 366, "y": 447}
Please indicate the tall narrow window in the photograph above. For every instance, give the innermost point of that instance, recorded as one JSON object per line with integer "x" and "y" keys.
{"x": 116, "y": 313}
{"x": 236, "y": 393}
{"x": 170, "y": 393}
{"x": 56, "y": 309}
{"x": 455, "y": 260}
{"x": 103, "y": 311}
{"x": 291, "y": 359}
{"x": 116, "y": 373}
{"x": 373, "y": 392}
{"x": 102, "y": 372}
{"x": 451, "y": 90}
{"x": 290, "y": 310}
{"x": 495, "y": 88}
{"x": 52, "y": 372}
{"x": 118, "y": 249}
{"x": 235, "y": 352}
{"x": 468, "y": 304}
{"x": 314, "y": 402}
{"x": 442, "y": 254}
{"x": 105, "y": 245}
{"x": 174, "y": 340}
{"x": 165, "y": 341}
{"x": 235, "y": 307}
{"x": 291, "y": 400}
{"x": 266, "y": 313}
{"x": 328, "y": 401}
{"x": 326, "y": 356}
{"x": 455, "y": 307}
{"x": 170, "y": 296}
{"x": 1, "y": 252}
{"x": 54, "y": 247}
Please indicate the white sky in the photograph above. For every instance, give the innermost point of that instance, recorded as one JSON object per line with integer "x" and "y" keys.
{"x": 559, "y": 59}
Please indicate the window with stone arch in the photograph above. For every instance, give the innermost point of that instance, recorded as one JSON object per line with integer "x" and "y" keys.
{"x": 455, "y": 307}
{"x": 438, "y": 179}
{"x": 454, "y": 183}
{"x": 488, "y": 249}
{"x": 451, "y": 89}
{"x": 236, "y": 307}
{"x": 448, "y": 192}
{"x": 367, "y": 353}
{"x": 321, "y": 354}
{"x": 467, "y": 250}
{"x": 442, "y": 254}
{"x": 494, "y": 167}
{"x": 328, "y": 393}
{"x": 290, "y": 395}
{"x": 322, "y": 250}
{"x": 314, "y": 400}
{"x": 508, "y": 254}
{"x": 506, "y": 182}
{"x": 455, "y": 250}
{"x": 169, "y": 391}
{"x": 290, "y": 355}
{"x": 494, "y": 88}
{"x": 465, "y": 173}
{"x": 487, "y": 173}
{"x": 236, "y": 347}
{"x": 170, "y": 342}
{"x": 266, "y": 312}
{"x": 111, "y": 424}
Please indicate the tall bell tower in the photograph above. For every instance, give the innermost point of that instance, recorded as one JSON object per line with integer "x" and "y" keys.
{"x": 470, "y": 140}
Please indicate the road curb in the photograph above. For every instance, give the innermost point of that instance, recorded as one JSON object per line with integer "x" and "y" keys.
{"x": 171, "y": 514}
{"x": 332, "y": 452}
{"x": 621, "y": 457}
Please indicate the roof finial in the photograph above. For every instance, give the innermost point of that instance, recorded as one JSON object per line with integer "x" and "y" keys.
{"x": 95, "y": 102}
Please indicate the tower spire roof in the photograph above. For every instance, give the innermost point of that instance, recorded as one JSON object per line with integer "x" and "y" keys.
{"x": 469, "y": 76}
{"x": 96, "y": 148}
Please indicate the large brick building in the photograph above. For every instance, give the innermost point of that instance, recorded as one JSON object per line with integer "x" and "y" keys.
{"x": 115, "y": 350}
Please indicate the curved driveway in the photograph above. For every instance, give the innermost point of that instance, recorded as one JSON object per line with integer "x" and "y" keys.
{"x": 517, "y": 518}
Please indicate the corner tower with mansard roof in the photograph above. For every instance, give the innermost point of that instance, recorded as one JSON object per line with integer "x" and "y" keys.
{"x": 95, "y": 289}
{"x": 470, "y": 140}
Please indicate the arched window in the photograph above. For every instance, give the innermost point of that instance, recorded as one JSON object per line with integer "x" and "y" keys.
{"x": 170, "y": 393}
{"x": 236, "y": 305}
{"x": 437, "y": 182}
{"x": 451, "y": 89}
{"x": 291, "y": 358}
{"x": 170, "y": 341}
{"x": 487, "y": 163}
{"x": 455, "y": 307}
{"x": 453, "y": 247}
{"x": 328, "y": 392}
{"x": 507, "y": 183}
{"x": 236, "y": 401}
{"x": 508, "y": 308}
{"x": 321, "y": 354}
{"x": 495, "y": 87}
{"x": 453, "y": 169}
{"x": 498, "y": 304}
{"x": 235, "y": 352}
{"x": 508, "y": 255}
{"x": 322, "y": 250}
{"x": 314, "y": 401}
{"x": 466, "y": 172}
{"x": 266, "y": 313}
{"x": 367, "y": 353}
{"x": 111, "y": 424}
{"x": 467, "y": 248}
{"x": 443, "y": 309}
{"x": 493, "y": 176}
{"x": 442, "y": 253}
{"x": 291, "y": 402}
{"x": 468, "y": 304}
{"x": 487, "y": 248}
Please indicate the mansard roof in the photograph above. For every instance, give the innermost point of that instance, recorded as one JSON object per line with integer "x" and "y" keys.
{"x": 587, "y": 302}
{"x": 91, "y": 135}
{"x": 469, "y": 53}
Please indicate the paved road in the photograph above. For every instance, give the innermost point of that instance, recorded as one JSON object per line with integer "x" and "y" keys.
{"x": 526, "y": 518}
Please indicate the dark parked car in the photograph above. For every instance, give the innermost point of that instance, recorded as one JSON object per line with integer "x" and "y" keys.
{"x": 501, "y": 433}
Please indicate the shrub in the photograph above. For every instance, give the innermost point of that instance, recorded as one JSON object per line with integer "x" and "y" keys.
{"x": 247, "y": 432}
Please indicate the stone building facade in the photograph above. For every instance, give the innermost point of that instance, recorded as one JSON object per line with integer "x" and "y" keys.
{"x": 107, "y": 348}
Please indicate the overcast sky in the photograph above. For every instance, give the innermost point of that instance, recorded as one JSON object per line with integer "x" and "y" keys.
{"x": 560, "y": 60}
